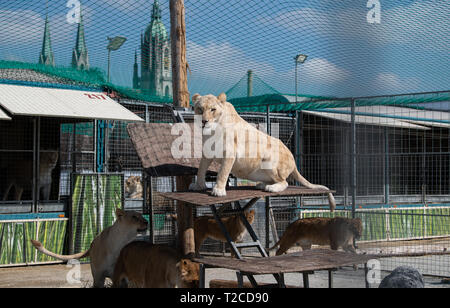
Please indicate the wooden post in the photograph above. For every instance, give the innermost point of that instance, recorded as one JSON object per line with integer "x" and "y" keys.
{"x": 179, "y": 62}
{"x": 185, "y": 221}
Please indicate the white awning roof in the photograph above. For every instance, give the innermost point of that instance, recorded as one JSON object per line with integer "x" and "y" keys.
{"x": 4, "y": 116}
{"x": 390, "y": 116}
{"x": 367, "y": 120}
{"x": 50, "y": 102}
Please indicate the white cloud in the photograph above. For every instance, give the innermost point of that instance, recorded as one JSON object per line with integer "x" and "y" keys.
{"x": 319, "y": 70}
{"x": 425, "y": 23}
{"x": 391, "y": 82}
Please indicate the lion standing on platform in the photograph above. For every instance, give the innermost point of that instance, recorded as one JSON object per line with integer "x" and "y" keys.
{"x": 243, "y": 150}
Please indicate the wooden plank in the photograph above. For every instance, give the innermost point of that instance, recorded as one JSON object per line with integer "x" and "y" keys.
{"x": 185, "y": 221}
{"x": 309, "y": 260}
{"x": 226, "y": 284}
{"x": 203, "y": 198}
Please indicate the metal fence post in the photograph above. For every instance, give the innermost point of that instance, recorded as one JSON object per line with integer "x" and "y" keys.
{"x": 298, "y": 138}
{"x": 353, "y": 157}
{"x": 386, "y": 165}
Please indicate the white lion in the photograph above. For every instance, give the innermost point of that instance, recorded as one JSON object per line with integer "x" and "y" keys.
{"x": 243, "y": 150}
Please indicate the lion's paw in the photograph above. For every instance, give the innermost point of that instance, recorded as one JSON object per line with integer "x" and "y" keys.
{"x": 218, "y": 192}
{"x": 197, "y": 187}
{"x": 278, "y": 187}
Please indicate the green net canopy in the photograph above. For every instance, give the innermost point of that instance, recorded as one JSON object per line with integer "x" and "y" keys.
{"x": 289, "y": 102}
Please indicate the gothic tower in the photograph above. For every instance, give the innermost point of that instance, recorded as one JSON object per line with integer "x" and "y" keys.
{"x": 136, "y": 80}
{"x": 80, "y": 57}
{"x": 46, "y": 57}
{"x": 156, "y": 72}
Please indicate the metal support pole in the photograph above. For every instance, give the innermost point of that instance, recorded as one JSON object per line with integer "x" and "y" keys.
{"x": 109, "y": 65}
{"x": 202, "y": 276}
{"x": 296, "y": 81}
{"x": 306, "y": 280}
{"x": 353, "y": 157}
{"x": 330, "y": 279}
{"x": 268, "y": 130}
{"x": 106, "y": 146}
{"x": 35, "y": 179}
{"x": 298, "y": 139}
{"x": 267, "y": 224}
{"x": 386, "y": 165}
{"x": 424, "y": 167}
{"x": 95, "y": 165}
{"x": 267, "y": 205}
{"x": 72, "y": 150}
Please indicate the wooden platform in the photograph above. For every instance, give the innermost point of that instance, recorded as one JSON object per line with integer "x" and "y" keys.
{"x": 304, "y": 261}
{"x": 204, "y": 198}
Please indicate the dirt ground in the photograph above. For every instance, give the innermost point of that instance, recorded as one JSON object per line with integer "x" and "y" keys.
{"x": 55, "y": 276}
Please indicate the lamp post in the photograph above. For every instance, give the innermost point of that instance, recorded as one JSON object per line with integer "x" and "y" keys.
{"x": 114, "y": 44}
{"x": 103, "y": 126}
{"x": 300, "y": 58}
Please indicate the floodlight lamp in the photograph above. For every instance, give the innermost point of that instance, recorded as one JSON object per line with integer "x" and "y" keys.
{"x": 300, "y": 58}
{"x": 116, "y": 42}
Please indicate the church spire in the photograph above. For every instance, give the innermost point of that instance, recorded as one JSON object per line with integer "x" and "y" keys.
{"x": 136, "y": 84}
{"x": 46, "y": 57}
{"x": 80, "y": 57}
{"x": 156, "y": 13}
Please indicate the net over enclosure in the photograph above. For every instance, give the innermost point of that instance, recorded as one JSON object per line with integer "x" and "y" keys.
{"x": 353, "y": 48}
{"x": 358, "y": 90}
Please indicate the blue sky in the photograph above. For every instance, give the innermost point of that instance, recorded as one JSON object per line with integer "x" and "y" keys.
{"x": 407, "y": 52}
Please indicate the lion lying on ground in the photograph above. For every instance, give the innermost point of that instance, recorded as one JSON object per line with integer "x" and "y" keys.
{"x": 133, "y": 187}
{"x": 336, "y": 232}
{"x": 207, "y": 227}
{"x": 144, "y": 265}
{"x": 243, "y": 150}
{"x": 105, "y": 248}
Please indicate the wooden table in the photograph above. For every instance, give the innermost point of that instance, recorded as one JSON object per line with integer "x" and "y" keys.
{"x": 304, "y": 262}
{"x": 204, "y": 198}
{"x": 234, "y": 195}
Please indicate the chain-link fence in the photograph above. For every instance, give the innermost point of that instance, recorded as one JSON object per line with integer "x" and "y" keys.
{"x": 37, "y": 157}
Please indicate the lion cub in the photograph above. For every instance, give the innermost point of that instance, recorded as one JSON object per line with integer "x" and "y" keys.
{"x": 144, "y": 265}
{"x": 207, "y": 226}
{"x": 336, "y": 232}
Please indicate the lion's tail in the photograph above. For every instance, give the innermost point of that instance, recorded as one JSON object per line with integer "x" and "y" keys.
{"x": 275, "y": 246}
{"x": 41, "y": 248}
{"x": 299, "y": 178}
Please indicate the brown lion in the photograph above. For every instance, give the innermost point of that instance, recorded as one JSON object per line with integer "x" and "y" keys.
{"x": 207, "y": 226}
{"x": 337, "y": 232}
{"x": 145, "y": 265}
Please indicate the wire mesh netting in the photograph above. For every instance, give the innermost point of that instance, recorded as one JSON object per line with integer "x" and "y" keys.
{"x": 385, "y": 156}
{"x": 353, "y": 49}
